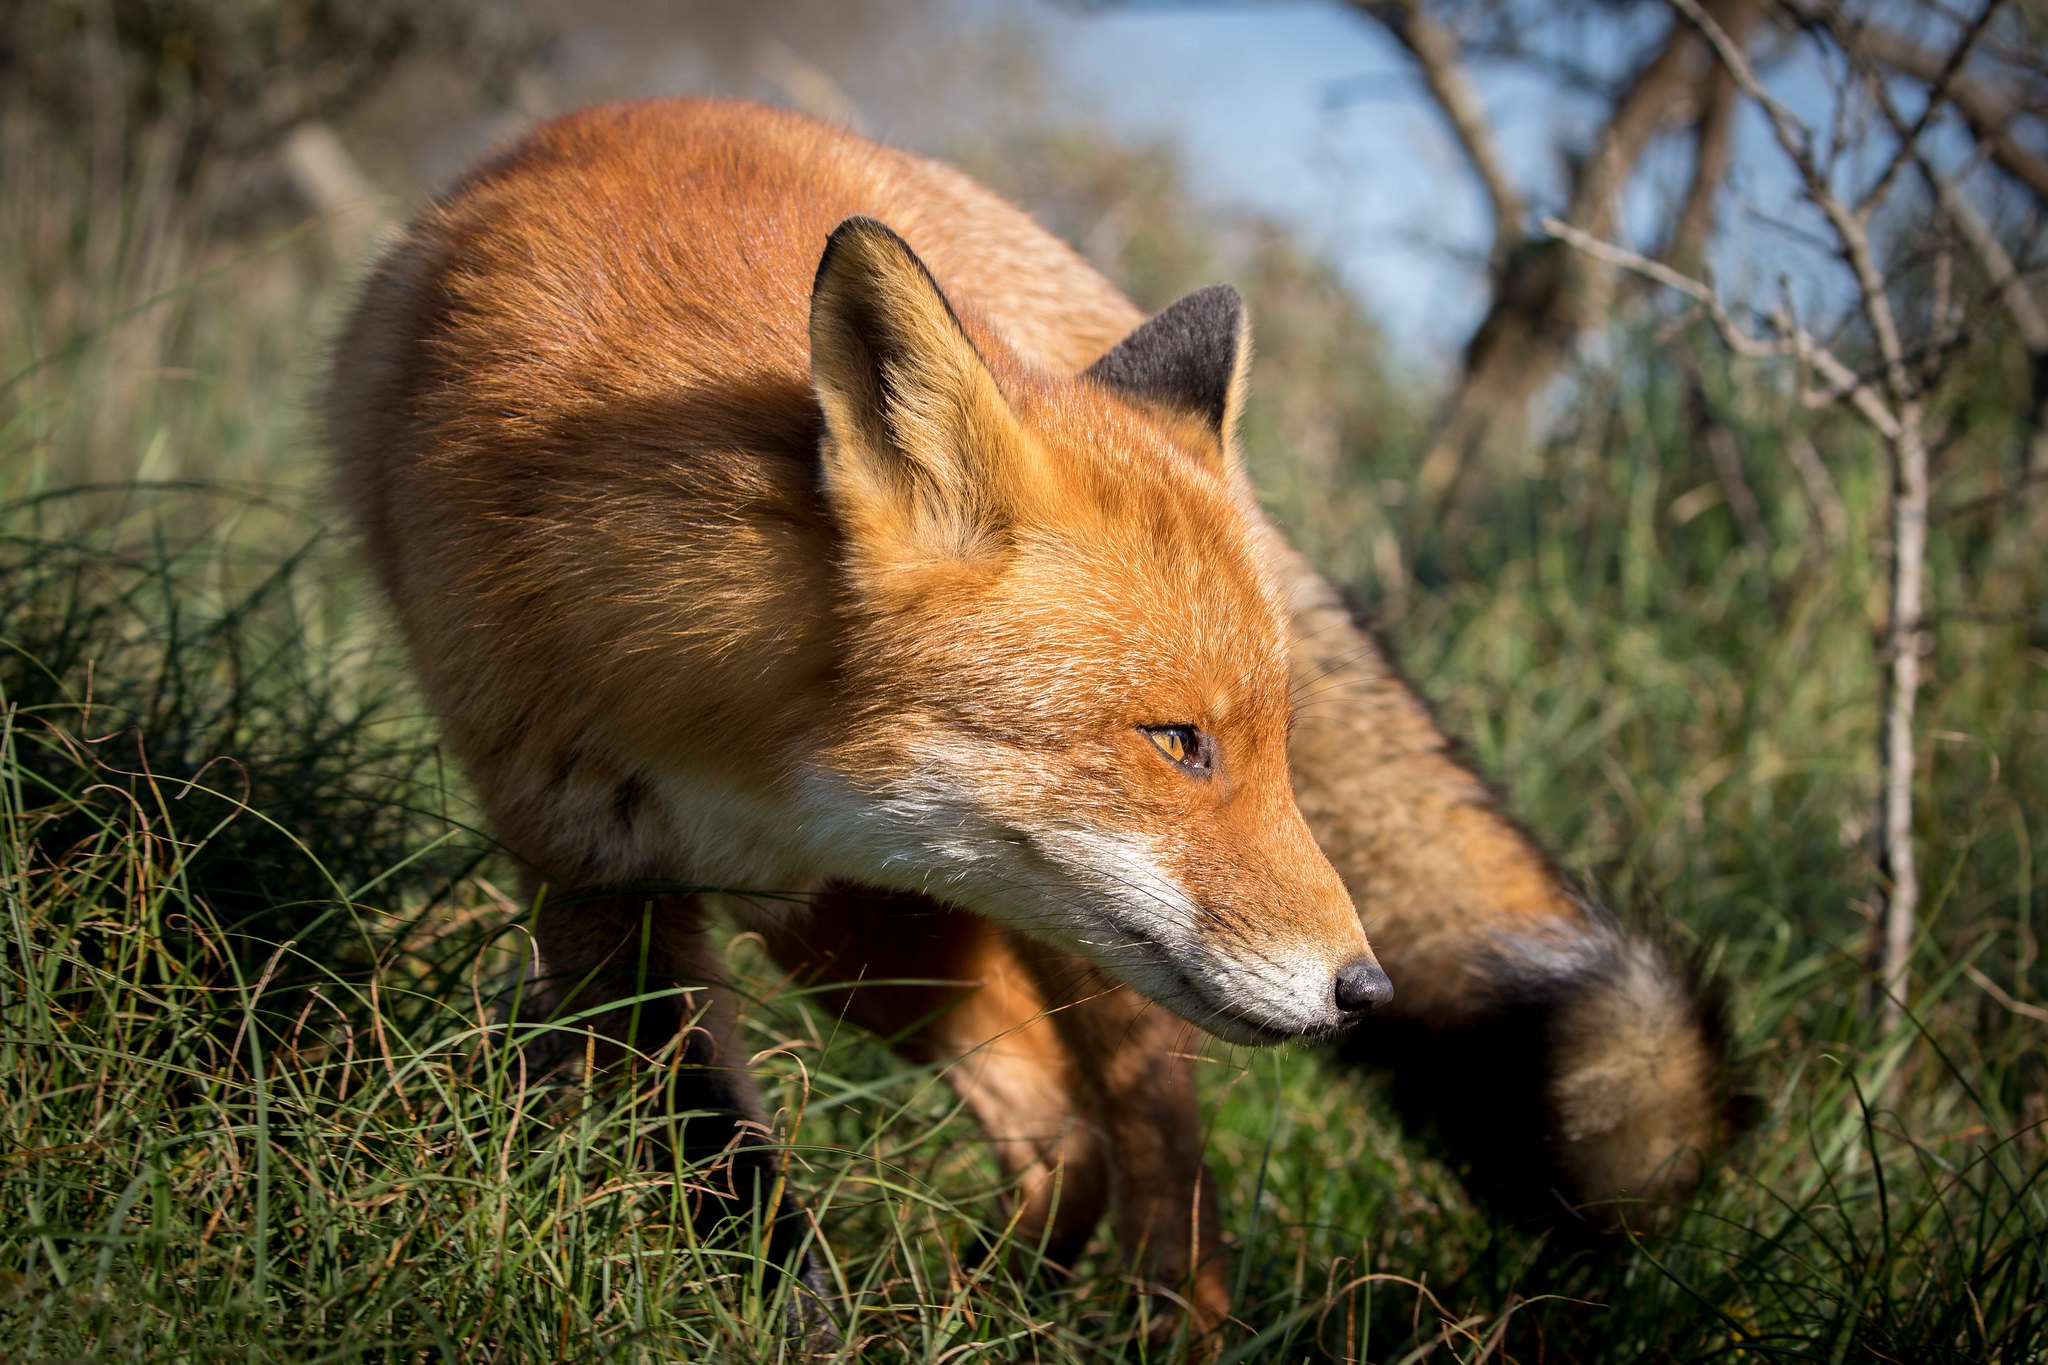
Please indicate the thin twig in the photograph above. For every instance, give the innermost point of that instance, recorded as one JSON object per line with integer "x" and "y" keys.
{"x": 1989, "y": 114}
{"x": 1998, "y": 993}
{"x": 1739, "y": 341}
{"x": 1845, "y": 385}
{"x": 1850, "y": 228}
{"x": 2006, "y": 280}
{"x": 1820, "y": 488}
{"x": 1908, "y": 150}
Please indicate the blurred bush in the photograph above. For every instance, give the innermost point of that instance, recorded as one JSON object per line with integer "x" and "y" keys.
{"x": 237, "y": 74}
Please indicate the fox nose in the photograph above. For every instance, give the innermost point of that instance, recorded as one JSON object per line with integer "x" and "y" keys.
{"x": 1362, "y": 986}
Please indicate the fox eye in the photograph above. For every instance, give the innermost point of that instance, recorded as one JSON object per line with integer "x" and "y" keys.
{"x": 1184, "y": 744}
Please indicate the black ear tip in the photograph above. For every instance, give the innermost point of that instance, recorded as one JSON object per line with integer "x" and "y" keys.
{"x": 1218, "y": 305}
{"x": 1188, "y": 355}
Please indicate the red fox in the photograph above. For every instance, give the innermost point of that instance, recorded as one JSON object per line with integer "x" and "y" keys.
{"x": 767, "y": 508}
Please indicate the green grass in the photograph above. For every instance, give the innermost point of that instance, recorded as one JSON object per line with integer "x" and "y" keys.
{"x": 257, "y": 1097}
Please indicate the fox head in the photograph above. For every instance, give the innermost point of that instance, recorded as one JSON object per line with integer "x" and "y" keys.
{"x": 1069, "y": 674}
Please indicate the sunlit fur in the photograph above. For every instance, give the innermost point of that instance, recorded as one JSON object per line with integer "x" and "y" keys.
{"x": 724, "y": 566}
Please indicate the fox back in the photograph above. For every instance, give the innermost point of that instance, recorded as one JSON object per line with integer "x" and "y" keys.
{"x": 765, "y": 508}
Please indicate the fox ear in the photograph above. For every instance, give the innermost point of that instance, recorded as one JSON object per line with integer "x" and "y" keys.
{"x": 917, "y": 431}
{"x": 1192, "y": 356}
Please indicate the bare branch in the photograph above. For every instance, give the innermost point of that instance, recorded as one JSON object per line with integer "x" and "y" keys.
{"x": 1999, "y": 993}
{"x": 1846, "y": 386}
{"x": 1910, "y": 151}
{"x": 1625, "y": 259}
{"x": 1904, "y": 627}
{"x": 1820, "y": 488}
{"x": 1938, "y": 94}
{"x": 2006, "y": 280}
{"x": 1903, "y": 621}
{"x": 1989, "y": 113}
{"x": 1620, "y": 257}
{"x": 1849, "y": 227}
{"x": 2005, "y": 277}
{"x": 1792, "y": 135}
{"x": 1436, "y": 53}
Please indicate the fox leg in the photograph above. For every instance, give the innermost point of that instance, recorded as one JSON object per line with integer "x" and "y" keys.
{"x": 1136, "y": 1063}
{"x": 1085, "y": 1089}
{"x": 1001, "y": 1053}
{"x": 1559, "y": 1056}
{"x": 617, "y": 947}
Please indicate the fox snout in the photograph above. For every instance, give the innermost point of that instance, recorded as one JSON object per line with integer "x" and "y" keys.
{"x": 1285, "y": 972}
{"x": 1256, "y": 941}
{"x": 1264, "y": 998}
{"x": 1362, "y": 987}
{"x": 1282, "y": 952}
